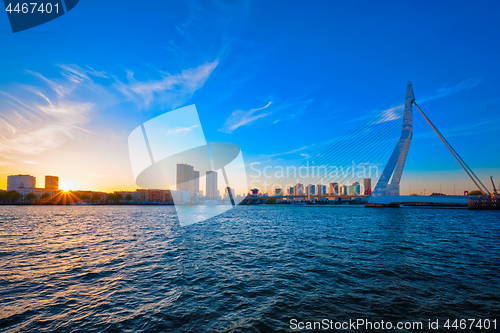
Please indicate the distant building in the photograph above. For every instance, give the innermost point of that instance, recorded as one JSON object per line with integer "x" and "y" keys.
{"x": 185, "y": 178}
{"x": 51, "y": 183}
{"x": 278, "y": 191}
{"x": 142, "y": 195}
{"x": 196, "y": 182}
{"x": 299, "y": 189}
{"x": 180, "y": 196}
{"x": 212, "y": 185}
{"x": 353, "y": 189}
{"x": 16, "y": 182}
{"x": 226, "y": 193}
{"x": 157, "y": 195}
{"x": 320, "y": 189}
{"x": 343, "y": 190}
{"x": 254, "y": 192}
{"x": 290, "y": 191}
{"x": 310, "y": 190}
{"x": 368, "y": 186}
{"x": 334, "y": 188}
{"x": 357, "y": 188}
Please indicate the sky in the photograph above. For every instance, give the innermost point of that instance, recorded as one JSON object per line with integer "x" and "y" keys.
{"x": 282, "y": 80}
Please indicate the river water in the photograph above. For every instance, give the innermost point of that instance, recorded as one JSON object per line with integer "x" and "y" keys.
{"x": 254, "y": 269}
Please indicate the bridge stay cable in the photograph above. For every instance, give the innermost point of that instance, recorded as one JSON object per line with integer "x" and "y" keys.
{"x": 459, "y": 159}
{"x": 350, "y": 142}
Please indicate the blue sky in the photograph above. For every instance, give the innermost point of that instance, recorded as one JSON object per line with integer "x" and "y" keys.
{"x": 280, "y": 79}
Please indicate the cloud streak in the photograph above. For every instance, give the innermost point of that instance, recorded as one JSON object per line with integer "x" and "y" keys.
{"x": 42, "y": 119}
{"x": 244, "y": 118}
{"x": 446, "y": 90}
{"x": 34, "y": 119}
{"x": 170, "y": 91}
{"x": 181, "y": 129}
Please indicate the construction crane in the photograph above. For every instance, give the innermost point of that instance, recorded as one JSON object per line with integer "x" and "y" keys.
{"x": 495, "y": 193}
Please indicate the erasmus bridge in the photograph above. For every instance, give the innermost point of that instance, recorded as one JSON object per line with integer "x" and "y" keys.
{"x": 366, "y": 143}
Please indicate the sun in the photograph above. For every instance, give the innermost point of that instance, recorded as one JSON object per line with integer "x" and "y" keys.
{"x": 65, "y": 188}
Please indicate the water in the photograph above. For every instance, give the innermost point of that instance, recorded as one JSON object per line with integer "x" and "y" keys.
{"x": 117, "y": 268}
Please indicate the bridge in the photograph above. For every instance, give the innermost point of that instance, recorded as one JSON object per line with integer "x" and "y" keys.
{"x": 387, "y": 190}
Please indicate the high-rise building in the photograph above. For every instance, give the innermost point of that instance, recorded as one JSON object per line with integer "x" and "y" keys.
{"x": 278, "y": 191}
{"x": 320, "y": 189}
{"x": 196, "y": 182}
{"x": 299, "y": 189}
{"x": 310, "y": 190}
{"x": 343, "y": 190}
{"x": 357, "y": 188}
{"x": 185, "y": 173}
{"x": 334, "y": 188}
{"x": 290, "y": 191}
{"x": 188, "y": 179}
{"x": 368, "y": 186}
{"x": 15, "y": 182}
{"x": 211, "y": 185}
{"x": 51, "y": 182}
{"x": 354, "y": 189}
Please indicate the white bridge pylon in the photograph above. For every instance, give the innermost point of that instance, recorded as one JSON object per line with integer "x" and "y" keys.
{"x": 386, "y": 191}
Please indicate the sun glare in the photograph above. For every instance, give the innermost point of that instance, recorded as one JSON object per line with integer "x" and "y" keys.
{"x": 65, "y": 188}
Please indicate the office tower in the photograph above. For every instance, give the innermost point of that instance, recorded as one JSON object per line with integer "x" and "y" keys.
{"x": 368, "y": 186}
{"x": 299, "y": 189}
{"x": 290, "y": 191}
{"x": 334, "y": 188}
{"x": 188, "y": 179}
{"x": 15, "y": 182}
{"x": 185, "y": 173}
{"x": 343, "y": 190}
{"x": 51, "y": 182}
{"x": 319, "y": 189}
{"x": 357, "y": 188}
{"x": 310, "y": 190}
{"x": 196, "y": 182}
{"x": 354, "y": 189}
{"x": 211, "y": 185}
{"x": 278, "y": 191}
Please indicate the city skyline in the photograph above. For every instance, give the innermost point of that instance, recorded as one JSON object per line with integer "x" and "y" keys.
{"x": 69, "y": 111}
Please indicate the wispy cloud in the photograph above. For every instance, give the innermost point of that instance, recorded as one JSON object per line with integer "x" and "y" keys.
{"x": 170, "y": 91}
{"x": 31, "y": 162}
{"x": 43, "y": 118}
{"x": 390, "y": 114}
{"x": 242, "y": 118}
{"x": 37, "y": 118}
{"x": 447, "y": 90}
{"x": 287, "y": 152}
{"x": 181, "y": 129}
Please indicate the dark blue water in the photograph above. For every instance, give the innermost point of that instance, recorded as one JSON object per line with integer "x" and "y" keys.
{"x": 110, "y": 269}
